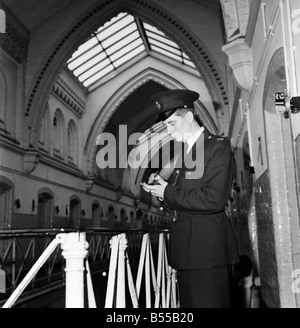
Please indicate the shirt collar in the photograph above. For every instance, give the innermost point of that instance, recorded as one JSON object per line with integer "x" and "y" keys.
{"x": 192, "y": 139}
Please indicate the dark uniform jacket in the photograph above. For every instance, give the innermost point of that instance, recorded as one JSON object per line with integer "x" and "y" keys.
{"x": 201, "y": 235}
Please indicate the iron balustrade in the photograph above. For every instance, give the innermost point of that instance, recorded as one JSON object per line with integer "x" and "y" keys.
{"x": 21, "y": 248}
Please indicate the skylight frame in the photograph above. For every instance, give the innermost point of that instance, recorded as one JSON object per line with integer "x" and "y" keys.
{"x": 86, "y": 68}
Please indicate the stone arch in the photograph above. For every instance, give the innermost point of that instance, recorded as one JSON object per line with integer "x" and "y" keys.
{"x": 46, "y": 190}
{"x": 111, "y": 216}
{"x": 72, "y": 142}
{"x": 7, "y": 110}
{"x": 62, "y": 50}
{"x": 120, "y": 95}
{"x": 75, "y": 211}
{"x": 45, "y": 130}
{"x": 96, "y": 213}
{"x": 45, "y": 208}
{"x": 3, "y": 99}
{"x": 58, "y": 133}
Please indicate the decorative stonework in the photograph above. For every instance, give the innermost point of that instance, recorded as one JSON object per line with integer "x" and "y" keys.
{"x": 189, "y": 37}
{"x": 30, "y": 160}
{"x": 68, "y": 97}
{"x": 150, "y": 7}
{"x": 113, "y": 103}
{"x": 240, "y": 60}
{"x": 14, "y": 44}
{"x": 89, "y": 182}
{"x": 73, "y": 30}
{"x": 236, "y": 16}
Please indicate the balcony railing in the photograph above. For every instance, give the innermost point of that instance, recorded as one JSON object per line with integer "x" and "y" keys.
{"x": 34, "y": 264}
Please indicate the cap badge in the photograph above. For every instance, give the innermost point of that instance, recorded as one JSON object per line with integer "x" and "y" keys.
{"x": 158, "y": 105}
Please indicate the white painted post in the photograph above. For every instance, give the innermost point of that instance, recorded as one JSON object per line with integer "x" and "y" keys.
{"x": 74, "y": 246}
{"x": 167, "y": 293}
{"x": 141, "y": 264}
{"x": 173, "y": 279}
{"x": 90, "y": 289}
{"x": 163, "y": 277}
{"x": 131, "y": 286}
{"x": 147, "y": 274}
{"x": 159, "y": 271}
{"x": 153, "y": 274}
{"x": 114, "y": 245}
{"x": 121, "y": 272}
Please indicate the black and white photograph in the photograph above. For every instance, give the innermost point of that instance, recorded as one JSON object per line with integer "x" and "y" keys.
{"x": 150, "y": 157}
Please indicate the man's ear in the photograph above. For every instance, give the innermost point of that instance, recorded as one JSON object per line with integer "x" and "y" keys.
{"x": 190, "y": 116}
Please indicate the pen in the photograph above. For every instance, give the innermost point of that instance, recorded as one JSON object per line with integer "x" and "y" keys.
{"x": 153, "y": 182}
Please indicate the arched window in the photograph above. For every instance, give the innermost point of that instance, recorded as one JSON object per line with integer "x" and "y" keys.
{"x": 57, "y": 133}
{"x": 72, "y": 147}
{"x": 139, "y": 219}
{"x": 131, "y": 217}
{"x": 6, "y": 203}
{"x": 45, "y": 209}
{"x": 44, "y": 140}
{"x": 75, "y": 209}
{"x": 4, "y": 124}
{"x": 123, "y": 218}
{"x": 111, "y": 216}
{"x": 8, "y": 104}
{"x": 96, "y": 214}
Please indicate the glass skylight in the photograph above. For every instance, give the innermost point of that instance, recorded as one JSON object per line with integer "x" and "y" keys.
{"x": 117, "y": 42}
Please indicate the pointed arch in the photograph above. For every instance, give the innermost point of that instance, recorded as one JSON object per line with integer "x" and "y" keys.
{"x": 45, "y": 210}
{"x": 75, "y": 211}
{"x": 72, "y": 143}
{"x": 3, "y": 100}
{"x": 58, "y": 133}
{"x": 7, "y": 110}
{"x": 120, "y": 95}
{"x": 45, "y": 131}
{"x": 61, "y": 51}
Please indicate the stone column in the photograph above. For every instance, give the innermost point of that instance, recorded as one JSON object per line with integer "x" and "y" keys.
{"x": 74, "y": 248}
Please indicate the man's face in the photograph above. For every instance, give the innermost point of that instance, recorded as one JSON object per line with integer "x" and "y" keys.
{"x": 178, "y": 127}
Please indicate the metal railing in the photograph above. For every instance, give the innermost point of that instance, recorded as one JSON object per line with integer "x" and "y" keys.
{"x": 161, "y": 276}
{"x": 35, "y": 255}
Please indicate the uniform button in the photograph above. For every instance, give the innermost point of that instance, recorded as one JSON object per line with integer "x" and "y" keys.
{"x": 173, "y": 218}
{"x": 209, "y": 137}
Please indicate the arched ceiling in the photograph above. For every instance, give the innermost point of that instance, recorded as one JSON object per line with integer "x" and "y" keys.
{"x": 64, "y": 22}
{"x": 32, "y": 13}
{"x": 36, "y": 15}
{"x": 135, "y": 102}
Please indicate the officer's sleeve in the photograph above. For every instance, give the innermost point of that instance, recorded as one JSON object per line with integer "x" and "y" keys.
{"x": 211, "y": 195}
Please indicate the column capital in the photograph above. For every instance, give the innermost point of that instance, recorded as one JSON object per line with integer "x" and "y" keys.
{"x": 240, "y": 60}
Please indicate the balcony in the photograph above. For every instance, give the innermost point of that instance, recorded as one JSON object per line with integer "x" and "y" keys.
{"x": 131, "y": 265}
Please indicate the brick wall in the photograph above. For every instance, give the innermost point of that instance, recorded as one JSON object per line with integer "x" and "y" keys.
{"x": 244, "y": 240}
{"x": 266, "y": 242}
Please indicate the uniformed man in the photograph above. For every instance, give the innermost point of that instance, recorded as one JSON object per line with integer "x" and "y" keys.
{"x": 202, "y": 242}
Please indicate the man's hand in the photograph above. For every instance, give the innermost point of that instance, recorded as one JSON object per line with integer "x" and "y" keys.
{"x": 156, "y": 185}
